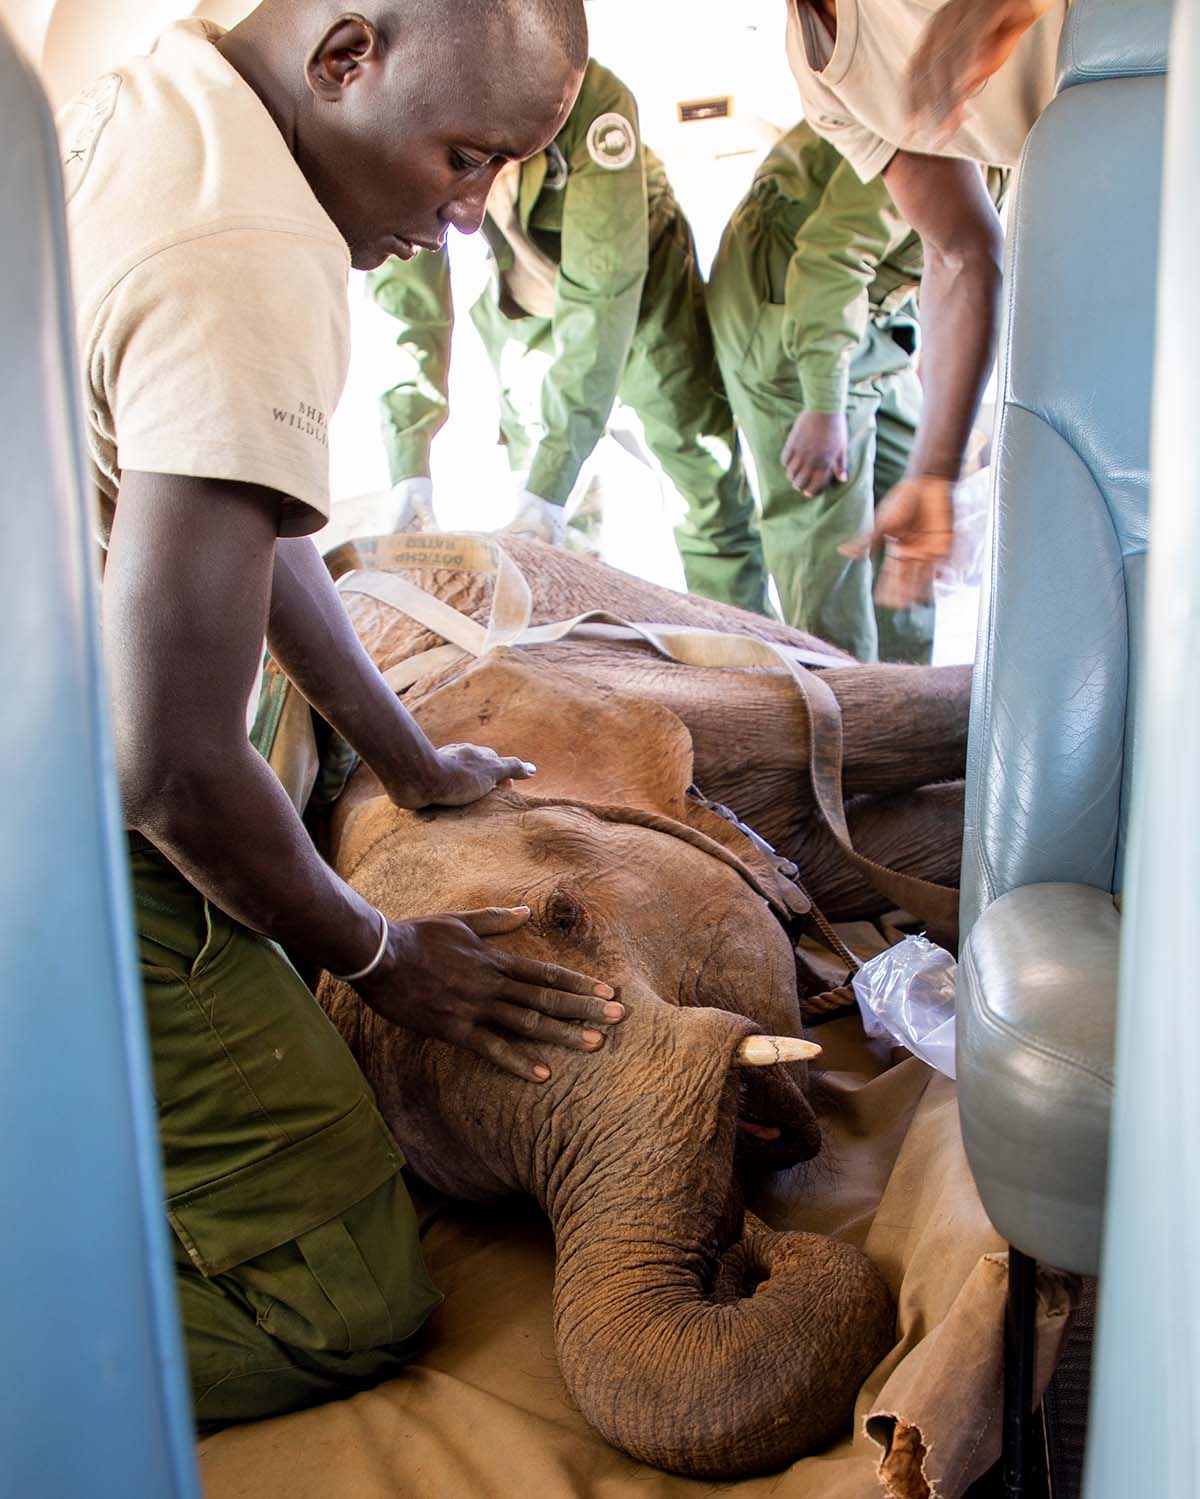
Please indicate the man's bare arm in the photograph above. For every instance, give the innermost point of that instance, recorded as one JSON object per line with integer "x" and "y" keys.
{"x": 311, "y": 637}
{"x": 946, "y": 202}
{"x": 185, "y": 600}
{"x": 965, "y": 42}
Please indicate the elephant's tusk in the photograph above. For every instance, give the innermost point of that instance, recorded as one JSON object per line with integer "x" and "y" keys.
{"x": 765, "y": 1051}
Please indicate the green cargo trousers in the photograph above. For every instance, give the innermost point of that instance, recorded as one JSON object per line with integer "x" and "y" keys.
{"x": 819, "y": 589}
{"x": 672, "y": 381}
{"x": 298, "y": 1262}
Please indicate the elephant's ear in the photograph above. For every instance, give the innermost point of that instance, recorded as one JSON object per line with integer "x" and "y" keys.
{"x": 589, "y": 743}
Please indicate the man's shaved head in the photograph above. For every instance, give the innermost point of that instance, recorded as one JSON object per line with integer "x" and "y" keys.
{"x": 560, "y": 22}
{"x": 401, "y": 112}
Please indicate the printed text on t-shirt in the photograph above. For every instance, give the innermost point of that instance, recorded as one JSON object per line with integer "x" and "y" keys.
{"x": 306, "y": 419}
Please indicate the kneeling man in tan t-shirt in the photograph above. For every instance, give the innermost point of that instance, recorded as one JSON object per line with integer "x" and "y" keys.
{"x": 218, "y": 191}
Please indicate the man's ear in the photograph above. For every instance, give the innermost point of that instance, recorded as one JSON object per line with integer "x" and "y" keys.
{"x": 348, "y": 47}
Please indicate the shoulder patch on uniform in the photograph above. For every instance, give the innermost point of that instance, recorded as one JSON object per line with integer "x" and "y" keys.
{"x": 82, "y": 127}
{"x": 612, "y": 141}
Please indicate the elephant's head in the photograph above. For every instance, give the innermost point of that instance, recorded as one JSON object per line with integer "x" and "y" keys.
{"x": 683, "y": 1344}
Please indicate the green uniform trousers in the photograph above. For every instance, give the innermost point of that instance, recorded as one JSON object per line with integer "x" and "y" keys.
{"x": 672, "y": 381}
{"x": 298, "y": 1262}
{"x": 820, "y": 590}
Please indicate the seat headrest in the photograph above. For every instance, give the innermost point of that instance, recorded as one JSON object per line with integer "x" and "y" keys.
{"x": 1114, "y": 39}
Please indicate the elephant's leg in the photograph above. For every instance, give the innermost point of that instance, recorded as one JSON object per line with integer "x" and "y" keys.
{"x": 902, "y": 726}
{"x": 919, "y": 832}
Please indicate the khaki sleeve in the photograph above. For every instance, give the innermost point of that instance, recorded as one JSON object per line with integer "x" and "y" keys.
{"x": 837, "y": 255}
{"x": 222, "y": 357}
{"x": 417, "y": 294}
{"x": 598, "y": 290}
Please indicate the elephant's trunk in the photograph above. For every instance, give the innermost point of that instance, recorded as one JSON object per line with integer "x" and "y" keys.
{"x": 705, "y": 1360}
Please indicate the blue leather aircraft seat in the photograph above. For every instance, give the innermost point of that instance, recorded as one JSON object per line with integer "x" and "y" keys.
{"x": 92, "y": 1393}
{"x": 1048, "y": 760}
{"x": 1049, "y": 753}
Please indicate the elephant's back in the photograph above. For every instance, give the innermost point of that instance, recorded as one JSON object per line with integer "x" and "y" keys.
{"x": 562, "y": 584}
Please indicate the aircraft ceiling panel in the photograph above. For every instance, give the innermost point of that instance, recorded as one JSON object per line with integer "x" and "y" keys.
{"x": 668, "y": 52}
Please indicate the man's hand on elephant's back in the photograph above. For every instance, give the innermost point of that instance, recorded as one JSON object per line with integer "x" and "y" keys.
{"x": 439, "y": 977}
{"x": 461, "y": 774}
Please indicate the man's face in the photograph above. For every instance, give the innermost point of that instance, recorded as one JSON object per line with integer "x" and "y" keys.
{"x": 405, "y": 143}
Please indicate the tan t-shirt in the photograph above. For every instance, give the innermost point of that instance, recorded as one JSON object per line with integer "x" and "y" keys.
{"x": 210, "y": 284}
{"x": 852, "y": 87}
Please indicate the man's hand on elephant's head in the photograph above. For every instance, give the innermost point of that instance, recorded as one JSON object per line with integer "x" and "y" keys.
{"x": 440, "y": 978}
{"x": 463, "y": 773}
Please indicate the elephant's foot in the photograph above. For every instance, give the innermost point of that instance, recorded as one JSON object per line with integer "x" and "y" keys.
{"x": 918, "y": 833}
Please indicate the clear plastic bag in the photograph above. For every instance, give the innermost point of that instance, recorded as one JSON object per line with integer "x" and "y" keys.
{"x": 907, "y": 993}
{"x": 972, "y": 512}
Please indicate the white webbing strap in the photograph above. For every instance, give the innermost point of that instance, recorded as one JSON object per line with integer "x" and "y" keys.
{"x": 512, "y": 603}
{"x": 509, "y": 624}
{"x": 512, "y": 608}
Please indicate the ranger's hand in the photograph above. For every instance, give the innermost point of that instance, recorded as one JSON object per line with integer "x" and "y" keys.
{"x": 439, "y": 978}
{"x": 461, "y": 773}
{"x": 915, "y": 521}
{"x": 469, "y": 771}
{"x": 816, "y": 453}
{"x": 409, "y": 506}
{"x": 538, "y": 520}
{"x": 964, "y": 43}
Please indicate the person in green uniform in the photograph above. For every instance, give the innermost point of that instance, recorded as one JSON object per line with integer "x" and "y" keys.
{"x": 812, "y": 304}
{"x": 594, "y": 268}
{"x": 219, "y": 190}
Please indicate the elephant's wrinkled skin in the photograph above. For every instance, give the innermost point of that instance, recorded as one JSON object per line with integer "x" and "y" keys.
{"x": 904, "y": 727}
{"x": 684, "y": 1345}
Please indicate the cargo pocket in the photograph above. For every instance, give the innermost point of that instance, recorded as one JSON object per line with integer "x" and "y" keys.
{"x": 355, "y": 1283}
{"x": 320, "y": 1238}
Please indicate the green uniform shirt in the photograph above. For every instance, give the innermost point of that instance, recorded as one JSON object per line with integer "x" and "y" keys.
{"x": 585, "y": 202}
{"x": 853, "y": 254}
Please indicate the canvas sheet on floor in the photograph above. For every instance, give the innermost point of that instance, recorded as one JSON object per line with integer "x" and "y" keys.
{"x": 484, "y": 1415}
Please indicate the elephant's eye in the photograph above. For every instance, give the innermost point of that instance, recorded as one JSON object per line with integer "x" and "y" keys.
{"x": 563, "y": 914}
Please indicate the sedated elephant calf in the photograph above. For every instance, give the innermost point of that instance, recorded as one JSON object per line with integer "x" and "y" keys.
{"x": 686, "y": 1343}
{"x": 687, "y": 1338}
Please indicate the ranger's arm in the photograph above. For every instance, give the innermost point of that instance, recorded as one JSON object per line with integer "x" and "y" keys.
{"x": 417, "y": 294}
{"x": 186, "y": 597}
{"x": 838, "y": 250}
{"x": 312, "y": 639}
{"x": 850, "y": 229}
{"x": 598, "y": 290}
{"x": 963, "y": 44}
{"x": 947, "y": 203}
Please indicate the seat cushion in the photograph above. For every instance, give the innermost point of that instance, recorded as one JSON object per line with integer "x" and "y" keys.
{"x": 1037, "y": 996}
